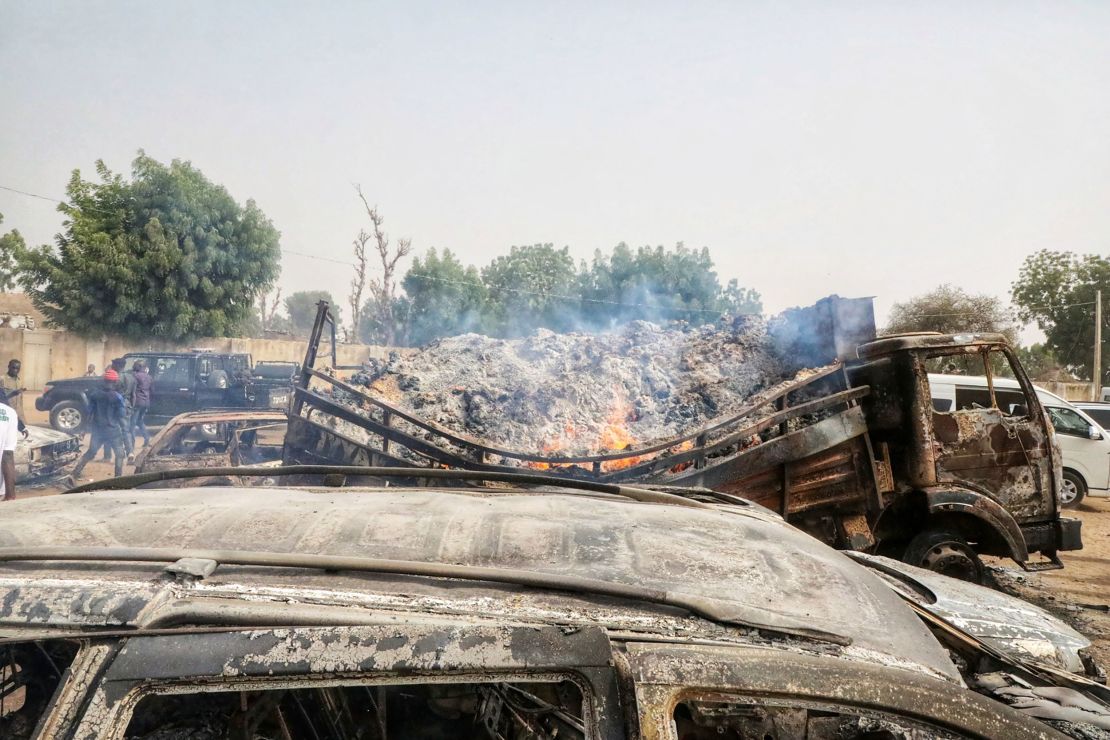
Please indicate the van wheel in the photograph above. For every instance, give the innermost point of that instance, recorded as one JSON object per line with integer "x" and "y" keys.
{"x": 68, "y": 417}
{"x": 946, "y": 552}
{"x": 1073, "y": 491}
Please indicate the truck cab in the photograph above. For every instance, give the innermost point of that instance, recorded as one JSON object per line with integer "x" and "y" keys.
{"x": 1084, "y": 443}
{"x": 977, "y": 477}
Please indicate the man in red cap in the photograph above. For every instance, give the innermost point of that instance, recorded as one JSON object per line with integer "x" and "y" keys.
{"x": 106, "y": 420}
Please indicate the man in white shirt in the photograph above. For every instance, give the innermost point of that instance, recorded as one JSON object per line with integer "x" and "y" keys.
{"x": 9, "y": 435}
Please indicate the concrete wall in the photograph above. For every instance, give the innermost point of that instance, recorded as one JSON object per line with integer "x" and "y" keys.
{"x": 48, "y": 354}
{"x": 1068, "y": 391}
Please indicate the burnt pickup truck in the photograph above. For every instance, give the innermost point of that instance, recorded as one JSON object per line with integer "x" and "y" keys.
{"x": 851, "y": 450}
{"x": 183, "y": 381}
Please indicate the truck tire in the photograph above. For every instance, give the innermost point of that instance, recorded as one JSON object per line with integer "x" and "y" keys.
{"x": 1073, "y": 491}
{"x": 68, "y": 416}
{"x": 946, "y": 552}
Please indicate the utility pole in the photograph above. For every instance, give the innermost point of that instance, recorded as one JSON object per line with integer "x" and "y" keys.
{"x": 1098, "y": 347}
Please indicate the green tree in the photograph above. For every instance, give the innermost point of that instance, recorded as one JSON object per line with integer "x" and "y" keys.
{"x": 951, "y": 310}
{"x": 444, "y": 297}
{"x": 1041, "y": 364}
{"x": 1057, "y": 291}
{"x": 301, "y": 307}
{"x": 736, "y": 300}
{"x": 11, "y": 245}
{"x": 533, "y": 286}
{"x": 164, "y": 254}
{"x": 658, "y": 284}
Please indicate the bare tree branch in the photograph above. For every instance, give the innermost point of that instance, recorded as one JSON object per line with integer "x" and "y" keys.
{"x": 267, "y": 308}
{"x": 383, "y": 289}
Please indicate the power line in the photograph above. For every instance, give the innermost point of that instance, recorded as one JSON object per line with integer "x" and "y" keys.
{"x": 979, "y": 313}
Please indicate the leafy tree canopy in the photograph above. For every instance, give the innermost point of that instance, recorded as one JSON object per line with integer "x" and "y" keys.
{"x": 529, "y": 287}
{"x": 444, "y": 297}
{"x": 301, "y": 307}
{"x": 951, "y": 310}
{"x": 540, "y": 286}
{"x": 657, "y": 284}
{"x": 166, "y": 253}
{"x": 1057, "y": 291}
{"x": 11, "y": 244}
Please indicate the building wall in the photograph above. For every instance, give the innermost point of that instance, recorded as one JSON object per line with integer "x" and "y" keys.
{"x": 49, "y": 354}
{"x": 1068, "y": 391}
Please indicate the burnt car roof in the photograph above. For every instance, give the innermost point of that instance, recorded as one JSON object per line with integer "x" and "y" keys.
{"x": 751, "y": 559}
{"x": 928, "y": 340}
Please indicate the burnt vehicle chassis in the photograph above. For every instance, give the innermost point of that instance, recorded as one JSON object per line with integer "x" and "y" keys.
{"x": 851, "y": 452}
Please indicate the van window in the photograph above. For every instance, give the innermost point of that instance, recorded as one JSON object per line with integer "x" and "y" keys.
{"x": 984, "y": 368}
{"x": 1066, "y": 421}
{"x": 1102, "y": 416}
{"x": 484, "y": 711}
{"x": 1008, "y": 399}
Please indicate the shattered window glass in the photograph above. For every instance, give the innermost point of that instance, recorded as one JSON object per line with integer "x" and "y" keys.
{"x": 726, "y": 720}
{"x": 484, "y": 711}
{"x": 30, "y": 674}
{"x": 1066, "y": 421}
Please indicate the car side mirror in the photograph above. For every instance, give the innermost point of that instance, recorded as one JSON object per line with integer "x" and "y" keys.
{"x": 1094, "y": 432}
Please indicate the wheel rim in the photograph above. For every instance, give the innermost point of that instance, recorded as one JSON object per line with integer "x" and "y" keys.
{"x": 69, "y": 418}
{"x": 1069, "y": 492}
{"x": 953, "y": 559}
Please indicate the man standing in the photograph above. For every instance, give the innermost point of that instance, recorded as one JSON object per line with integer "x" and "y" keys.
{"x": 90, "y": 372}
{"x": 126, "y": 389}
{"x": 13, "y": 387}
{"x": 143, "y": 386}
{"x": 105, "y": 423}
{"x": 9, "y": 426}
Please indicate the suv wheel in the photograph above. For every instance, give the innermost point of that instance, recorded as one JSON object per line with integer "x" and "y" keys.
{"x": 68, "y": 416}
{"x": 946, "y": 552}
{"x": 1073, "y": 491}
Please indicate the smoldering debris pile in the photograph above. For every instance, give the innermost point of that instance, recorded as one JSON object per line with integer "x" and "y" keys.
{"x": 576, "y": 394}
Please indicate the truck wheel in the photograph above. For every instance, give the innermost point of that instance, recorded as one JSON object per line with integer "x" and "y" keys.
{"x": 946, "y": 552}
{"x": 1073, "y": 491}
{"x": 68, "y": 416}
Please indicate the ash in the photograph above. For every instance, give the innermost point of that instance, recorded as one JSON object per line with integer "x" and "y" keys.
{"x": 581, "y": 394}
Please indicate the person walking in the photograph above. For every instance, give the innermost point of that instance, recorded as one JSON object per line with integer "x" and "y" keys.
{"x": 126, "y": 389}
{"x": 106, "y": 429}
{"x": 144, "y": 385}
{"x": 13, "y": 387}
{"x": 9, "y": 436}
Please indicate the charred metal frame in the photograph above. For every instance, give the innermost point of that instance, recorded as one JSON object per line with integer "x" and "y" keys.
{"x": 831, "y": 476}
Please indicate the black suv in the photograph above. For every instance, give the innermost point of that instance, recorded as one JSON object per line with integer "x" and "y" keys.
{"x": 183, "y": 381}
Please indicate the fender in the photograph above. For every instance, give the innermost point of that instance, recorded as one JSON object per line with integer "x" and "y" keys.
{"x": 951, "y": 500}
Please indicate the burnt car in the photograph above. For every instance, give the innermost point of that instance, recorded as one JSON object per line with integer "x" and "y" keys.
{"x": 43, "y": 453}
{"x": 569, "y": 610}
{"x": 216, "y": 438}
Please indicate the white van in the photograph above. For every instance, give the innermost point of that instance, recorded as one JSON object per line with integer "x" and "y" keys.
{"x": 1084, "y": 445}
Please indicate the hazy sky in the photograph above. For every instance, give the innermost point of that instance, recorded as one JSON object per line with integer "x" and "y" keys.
{"x": 869, "y": 148}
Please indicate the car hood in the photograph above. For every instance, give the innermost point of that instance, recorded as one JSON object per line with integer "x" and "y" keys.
{"x": 41, "y": 436}
{"x": 1010, "y": 625}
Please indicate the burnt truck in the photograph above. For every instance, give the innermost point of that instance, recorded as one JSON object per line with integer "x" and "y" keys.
{"x": 851, "y": 450}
